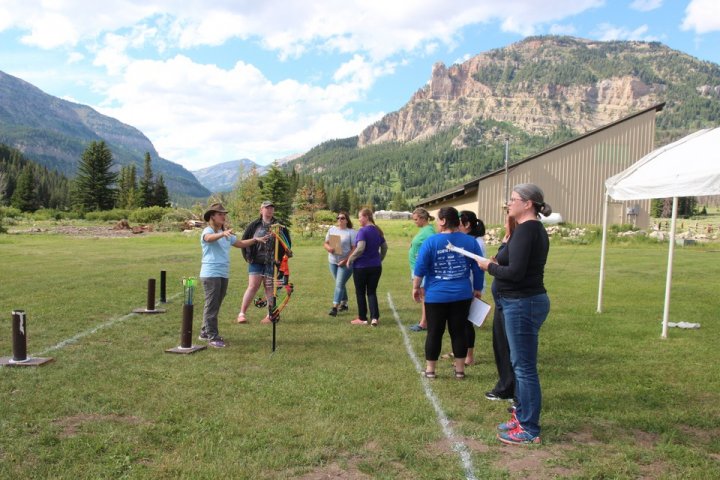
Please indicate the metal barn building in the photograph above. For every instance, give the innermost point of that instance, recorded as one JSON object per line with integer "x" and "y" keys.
{"x": 572, "y": 176}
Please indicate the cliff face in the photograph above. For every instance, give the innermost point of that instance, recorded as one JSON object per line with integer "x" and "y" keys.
{"x": 541, "y": 83}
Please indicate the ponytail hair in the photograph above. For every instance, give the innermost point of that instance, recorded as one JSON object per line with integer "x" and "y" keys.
{"x": 367, "y": 213}
{"x": 477, "y": 227}
{"x": 533, "y": 193}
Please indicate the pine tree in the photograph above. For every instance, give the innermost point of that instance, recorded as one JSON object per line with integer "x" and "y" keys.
{"x": 25, "y": 196}
{"x": 93, "y": 184}
{"x": 244, "y": 203}
{"x": 161, "y": 198}
{"x": 276, "y": 187}
{"x": 145, "y": 190}
{"x": 127, "y": 196}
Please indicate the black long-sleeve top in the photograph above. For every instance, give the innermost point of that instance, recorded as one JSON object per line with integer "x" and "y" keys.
{"x": 521, "y": 264}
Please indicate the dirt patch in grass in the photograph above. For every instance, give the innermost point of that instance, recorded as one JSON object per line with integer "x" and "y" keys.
{"x": 335, "y": 471}
{"x": 71, "y": 425}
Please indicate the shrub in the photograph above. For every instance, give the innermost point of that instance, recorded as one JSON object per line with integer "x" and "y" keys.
{"x": 325, "y": 216}
{"x": 174, "y": 219}
{"x": 148, "y": 215}
{"x": 46, "y": 214}
{"x": 10, "y": 212}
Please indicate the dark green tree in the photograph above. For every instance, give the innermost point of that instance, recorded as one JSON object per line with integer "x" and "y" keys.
{"x": 127, "y": 196}
{"x": 145, "y": 189}
{"x": 276, "y": 187}
{"x": 25, "y": 196}
{"x": 93, "y": 189}
{"x": 161, "y": 198}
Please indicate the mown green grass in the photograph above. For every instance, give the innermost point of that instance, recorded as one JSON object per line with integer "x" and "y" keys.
{"x": 619, "y": 402}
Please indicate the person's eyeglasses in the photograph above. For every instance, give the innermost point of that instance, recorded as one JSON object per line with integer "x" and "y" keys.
{"x": 515, "y": 199}
{"x": 341, "y": 218}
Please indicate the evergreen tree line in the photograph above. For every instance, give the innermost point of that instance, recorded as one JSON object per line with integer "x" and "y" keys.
{"x": 28, "y": 186}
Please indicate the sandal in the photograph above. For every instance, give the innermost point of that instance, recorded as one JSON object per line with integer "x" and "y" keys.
{"x": 429, "y": 374}
{"x": 459, "y": 375}
{"x": 241, "y": 319}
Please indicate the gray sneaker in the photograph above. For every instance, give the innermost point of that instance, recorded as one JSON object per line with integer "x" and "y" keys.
{"x": 203, "y": 336}
{"x": 217, "y": 342}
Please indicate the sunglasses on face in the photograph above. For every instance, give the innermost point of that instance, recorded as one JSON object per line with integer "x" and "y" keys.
{"x": 341, "y": 218}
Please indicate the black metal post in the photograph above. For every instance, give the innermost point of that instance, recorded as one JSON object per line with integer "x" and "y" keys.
{"x": 186, "y": 333}
{"x": 163, "y": 278}
{"x": 19, "y": 335}
{"x": 151, "y": 294}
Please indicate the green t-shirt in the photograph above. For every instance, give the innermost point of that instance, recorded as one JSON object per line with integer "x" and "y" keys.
{"x": 417, "y": 240}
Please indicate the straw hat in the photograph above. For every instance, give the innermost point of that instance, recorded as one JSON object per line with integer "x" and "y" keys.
{"x": 214, "y": 208}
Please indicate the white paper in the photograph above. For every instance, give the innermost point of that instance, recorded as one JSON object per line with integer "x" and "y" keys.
{"x": 478, "y": 312}
{"x": 464, "y": 252}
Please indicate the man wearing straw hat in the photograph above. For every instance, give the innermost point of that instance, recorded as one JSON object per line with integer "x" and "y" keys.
{"x": 216, "y": 241}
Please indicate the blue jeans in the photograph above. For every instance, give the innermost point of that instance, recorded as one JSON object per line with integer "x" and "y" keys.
{"x": 341, "y": 276}
{"x": 523, "y": 319}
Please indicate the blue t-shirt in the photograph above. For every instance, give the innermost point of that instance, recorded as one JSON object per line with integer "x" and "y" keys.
{"x": 371, "y": 255}
{"x": 447, "y": 273}
{"x": 216, "y": 255}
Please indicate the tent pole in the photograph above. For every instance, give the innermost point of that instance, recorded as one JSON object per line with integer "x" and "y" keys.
{"x": 668, "y": 280}
{"x": 602, "y": 253}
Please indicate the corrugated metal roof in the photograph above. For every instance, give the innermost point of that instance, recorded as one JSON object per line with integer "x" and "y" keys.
{"x": 463, "y": 188}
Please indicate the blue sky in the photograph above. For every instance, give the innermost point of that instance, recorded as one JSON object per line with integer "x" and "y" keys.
{"x": 210, "y": 81}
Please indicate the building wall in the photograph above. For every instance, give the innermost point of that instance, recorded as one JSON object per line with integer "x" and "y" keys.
{"x": 572, "y": 176}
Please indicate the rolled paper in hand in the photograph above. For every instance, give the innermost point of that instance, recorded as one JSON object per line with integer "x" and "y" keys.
{"x": 464, "y": 252}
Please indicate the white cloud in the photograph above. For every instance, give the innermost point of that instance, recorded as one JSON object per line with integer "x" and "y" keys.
{"x": 607, "y": 32}
{"x": 703, "y": 16}
{"x": 200, "y": 115}
{"x": 75, "y": 57}
{"x": 646, "y": 5}
{"x": 558, "y": 29}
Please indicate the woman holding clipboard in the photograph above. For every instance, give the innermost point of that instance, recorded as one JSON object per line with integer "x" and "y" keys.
{"x": 339, "y": 243}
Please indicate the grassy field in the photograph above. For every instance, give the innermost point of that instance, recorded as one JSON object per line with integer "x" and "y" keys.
{"x": 340, "y": 401}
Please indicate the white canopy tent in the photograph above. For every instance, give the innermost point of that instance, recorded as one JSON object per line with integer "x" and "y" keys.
{"x": 689, "y": 167}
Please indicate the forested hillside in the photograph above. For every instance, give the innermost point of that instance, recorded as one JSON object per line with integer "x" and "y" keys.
{"x": 378, "y": 173}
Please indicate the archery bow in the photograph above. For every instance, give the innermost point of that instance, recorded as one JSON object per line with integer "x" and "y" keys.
{"x": 280, "y": 276}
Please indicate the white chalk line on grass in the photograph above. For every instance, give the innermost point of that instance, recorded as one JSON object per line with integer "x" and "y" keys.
{"x": 96, "y": 328}
{"x": 457, "y": 445}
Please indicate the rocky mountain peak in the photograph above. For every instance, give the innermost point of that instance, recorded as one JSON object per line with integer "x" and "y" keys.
{"x": 539, "y": 84}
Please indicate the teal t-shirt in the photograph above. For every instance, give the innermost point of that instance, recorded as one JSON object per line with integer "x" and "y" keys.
{"x": 416, "y": 242}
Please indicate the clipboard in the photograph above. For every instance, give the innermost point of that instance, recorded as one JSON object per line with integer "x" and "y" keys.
{"x": 479, "y": 310}
{"x": 334, "y": 242}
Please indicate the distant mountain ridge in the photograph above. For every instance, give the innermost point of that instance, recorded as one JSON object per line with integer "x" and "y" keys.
{"x": 54, "y": 133}
{"x": 224, "y": 176}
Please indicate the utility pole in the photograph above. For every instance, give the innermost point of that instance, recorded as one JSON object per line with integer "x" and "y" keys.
{"x": 507, "y": 179}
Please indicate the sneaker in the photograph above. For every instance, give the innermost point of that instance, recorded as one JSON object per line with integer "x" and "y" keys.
{"x": 374, "y": 322}
{"x": 333, "y": 312}
{"x": 518, "y": 437}
{"x": 494, "y": 396}
{"x": 510, "y": 425}
{"x": 344, "y": 308}
{"x": 203, "y": 336}
{"x": 357, "y": 321}
{"x": 217, "y": 342}
{"x": 416, "y": 328}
